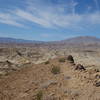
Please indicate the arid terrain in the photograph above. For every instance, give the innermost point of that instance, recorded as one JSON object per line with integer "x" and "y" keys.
{"x": 42, "y": 70}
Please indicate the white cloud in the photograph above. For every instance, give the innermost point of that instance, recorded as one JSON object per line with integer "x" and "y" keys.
{"x": 29, "y": 17}
{"x": 9, "y": 19}
{"x": 62, "y": 15}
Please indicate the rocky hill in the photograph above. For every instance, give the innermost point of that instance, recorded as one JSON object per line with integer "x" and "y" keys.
{"x": 15, "y": 56}
{"x": 82, "y": 40}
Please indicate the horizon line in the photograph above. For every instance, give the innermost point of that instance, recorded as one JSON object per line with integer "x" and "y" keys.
{"x": 31, "y": 40}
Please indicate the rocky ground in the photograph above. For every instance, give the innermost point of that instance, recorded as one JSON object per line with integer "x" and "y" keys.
{"x": 44, "y": 72}
{"x": 56, "y": 79}
{"x": 14, "y": 58}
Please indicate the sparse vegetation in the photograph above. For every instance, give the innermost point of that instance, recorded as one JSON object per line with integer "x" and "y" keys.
{"x": 62, "y": 60}
{"x": 39, "y": 95}
{"x": 55, "y": 69}
{"x": 20, "y": 54}
{"x": 47, "y": 62}
{"x": 97, "y": 70}
{"x": 5, "y": 73}
{"x": 46, "y": 72}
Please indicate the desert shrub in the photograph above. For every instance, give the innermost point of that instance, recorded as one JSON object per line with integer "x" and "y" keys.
{"x": 70, "y": 58}
{"x": 4, "y": 73}
{"x": 47, "y": 62}
{"x": 97, "y": 70}
{"x": 55, "y": 70}
{"x": 39, "y": 95}
{"x": 0, "y": 75}
{"x": 19, "y": 53}
{"x": 62, "y": 60}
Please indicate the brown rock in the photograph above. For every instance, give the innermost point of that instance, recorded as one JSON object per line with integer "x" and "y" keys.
{"x": 70, "y": 58}
{"x": 79, "y": 67}
{"x": 97, "y": 84}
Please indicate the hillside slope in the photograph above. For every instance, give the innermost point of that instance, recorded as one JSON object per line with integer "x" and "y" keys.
{"x": 37, "y": 82}
{"x": 82, "y": 40}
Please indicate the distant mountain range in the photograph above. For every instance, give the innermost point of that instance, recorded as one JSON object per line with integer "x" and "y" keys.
{"x": 13, "y": 40}
{"x": 76, "y": 40}
{"x": 82, "y": 40}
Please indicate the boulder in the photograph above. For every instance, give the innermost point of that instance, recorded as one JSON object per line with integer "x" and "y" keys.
{"x": 70, "y": 58}
{"x": 97, "y": 84}
{"x": 79, "y": 67}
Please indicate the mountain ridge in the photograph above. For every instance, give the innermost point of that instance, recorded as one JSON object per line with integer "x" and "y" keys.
{"x": 77, "y": 40}
{"x": 82, "y": 40}
{"x": 15, "y": 40}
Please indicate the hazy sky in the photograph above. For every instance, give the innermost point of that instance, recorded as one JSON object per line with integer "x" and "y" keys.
{"x": 49, "y": 19}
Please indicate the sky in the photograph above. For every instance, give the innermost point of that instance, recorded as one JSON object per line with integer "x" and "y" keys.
{"x": 49, "y": 20}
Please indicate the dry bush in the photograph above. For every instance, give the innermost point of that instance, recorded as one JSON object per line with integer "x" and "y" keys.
{"x": 62, "y": 60}
{"x": 39, "y": 95}
{"x": 55, "y": 69}
{"x": 47, "y": 62}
